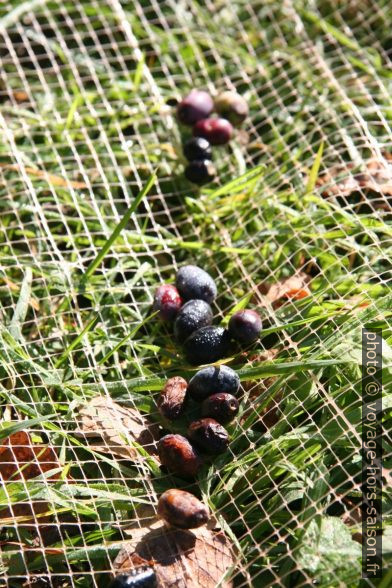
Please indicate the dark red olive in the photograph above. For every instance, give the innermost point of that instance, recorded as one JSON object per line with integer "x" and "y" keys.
{"x": 197, "y": 105}
{"x": 172, "y": 400}
{"x": 209, "y": 435}
{"x": 217, "y": 131}
{"x": 181, "y": 509}
{"x": 232, "y": 106}
{"x": 167, "y": 301}
{"x": 178, "y": 455}
{"x": 222, "y": 407}
{"x": 245, "y": 326}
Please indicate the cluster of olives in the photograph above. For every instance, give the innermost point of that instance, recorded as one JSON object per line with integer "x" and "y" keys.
{"x": 195, "y": 110}
{"x": 187, "y": 304}
{"x": 215, "y": 388}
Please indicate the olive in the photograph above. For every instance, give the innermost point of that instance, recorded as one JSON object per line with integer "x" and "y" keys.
{"x": 181, "y": 509}
{"x": 209, "y": 435}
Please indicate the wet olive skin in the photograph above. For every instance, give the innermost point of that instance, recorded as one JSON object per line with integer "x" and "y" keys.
{"x": 192, "y": 316}
{"x": 212, "y": 379}
{"x": 194, "y": 283}
{"x": 207, "y": 345}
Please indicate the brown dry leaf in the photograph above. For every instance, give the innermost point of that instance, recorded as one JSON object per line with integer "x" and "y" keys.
{"x": 50, "y": 178}
{"x": 295, "y": 287}
{"x": 182, "y": 559}
{"x": 118, "y": 427}
{"x": 21, "y": 459}
{"x": 376, "y": 177}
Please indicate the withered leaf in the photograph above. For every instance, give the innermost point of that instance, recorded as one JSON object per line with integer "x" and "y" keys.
{"x": 118, "y": 427}
{"x": 21, "y": 459}
{"x": 376, "y": 177}
{"x": 182, "y": 559}
{"x": 293, "y": 288}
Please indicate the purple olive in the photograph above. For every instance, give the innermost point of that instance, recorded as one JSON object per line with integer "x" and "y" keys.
{"x": 197, "y": 105}
{"x": 218, "y": 131}
{"x": 245, "y": 326}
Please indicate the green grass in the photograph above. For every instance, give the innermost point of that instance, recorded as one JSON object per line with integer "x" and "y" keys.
{"x": 79, "y": 265}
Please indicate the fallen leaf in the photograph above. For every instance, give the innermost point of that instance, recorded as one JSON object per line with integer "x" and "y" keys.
{"x": 182, "y": 559}
{"x": 21, "y": 459}
{"x": 376, "y": 177}
{"x": 295, "y": 287}
{"x": 118, "y": 427}
{"x": 50, "y": 178}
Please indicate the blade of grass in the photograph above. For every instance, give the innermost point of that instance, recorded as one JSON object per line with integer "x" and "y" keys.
{"x": 139, "y": 72}
{"x": 124, "y": 339}
{"x": 75, "y": 342}
{"x": 121, "y": 225}
{"x": 6, "y": 431}
{"x": 22, "y": 305}
{"x": 315, "y": 170}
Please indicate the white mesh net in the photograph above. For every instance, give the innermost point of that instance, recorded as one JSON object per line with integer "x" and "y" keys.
{"x": 87, "y": 89}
